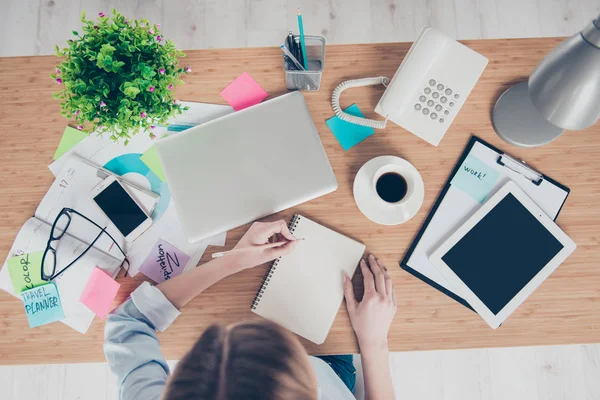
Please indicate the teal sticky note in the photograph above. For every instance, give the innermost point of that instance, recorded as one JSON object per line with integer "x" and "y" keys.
{"x": 348, "y": 134}
{"x": 42, "y": 305}
{"x": 475, "y": 178}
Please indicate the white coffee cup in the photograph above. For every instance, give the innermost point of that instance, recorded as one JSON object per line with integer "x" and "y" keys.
{"x": 406, "y": 174}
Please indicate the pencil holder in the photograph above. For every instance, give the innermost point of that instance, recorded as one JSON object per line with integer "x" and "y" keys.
{"x": 308, "y": 80}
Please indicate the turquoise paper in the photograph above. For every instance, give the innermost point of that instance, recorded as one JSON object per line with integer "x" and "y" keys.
{"x": 349, "y": 135}
{"x": 475, "y": 178}
{"x": 42, "y": 305}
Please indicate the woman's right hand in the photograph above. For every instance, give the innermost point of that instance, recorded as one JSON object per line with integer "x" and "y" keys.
{"x": 372, "y": 317}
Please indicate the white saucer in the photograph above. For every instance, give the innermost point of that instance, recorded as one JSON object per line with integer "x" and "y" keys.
{"x": 378, "y": 210}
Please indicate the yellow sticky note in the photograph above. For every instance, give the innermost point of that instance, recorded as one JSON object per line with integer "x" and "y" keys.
{"x": 26, "y": 271}
{"x": 150, "y": 158}
{"x": 70, "y": 138}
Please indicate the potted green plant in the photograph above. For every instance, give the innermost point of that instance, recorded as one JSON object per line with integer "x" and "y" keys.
{"x": 118, "y": 77}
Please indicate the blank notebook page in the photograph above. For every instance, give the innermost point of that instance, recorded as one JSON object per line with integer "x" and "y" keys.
{"x": 304, "y": 290}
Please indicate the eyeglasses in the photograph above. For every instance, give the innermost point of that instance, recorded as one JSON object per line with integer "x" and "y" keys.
{"x": 59, "y": 228}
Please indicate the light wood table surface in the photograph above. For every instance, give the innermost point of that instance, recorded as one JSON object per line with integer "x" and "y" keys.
{"x": 565, "y": 309}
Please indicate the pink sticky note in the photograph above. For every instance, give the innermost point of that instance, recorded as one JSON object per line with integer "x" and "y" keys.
{"x": 164, "y": 261}
{"x": 243, "y": 92}
{"x": 99, "y": 293}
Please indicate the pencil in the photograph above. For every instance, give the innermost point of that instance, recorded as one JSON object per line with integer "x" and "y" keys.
{"x": 250, "y": 249}
{"x": 302, "y": 44}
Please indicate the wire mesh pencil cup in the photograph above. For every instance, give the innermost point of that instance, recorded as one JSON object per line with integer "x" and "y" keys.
{"x": 308, "y": 80}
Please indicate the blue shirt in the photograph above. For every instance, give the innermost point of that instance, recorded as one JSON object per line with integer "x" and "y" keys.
{"x": 133, "y": 350}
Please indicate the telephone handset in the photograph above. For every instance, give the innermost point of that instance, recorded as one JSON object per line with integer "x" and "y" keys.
{"x": 428, "y": 89}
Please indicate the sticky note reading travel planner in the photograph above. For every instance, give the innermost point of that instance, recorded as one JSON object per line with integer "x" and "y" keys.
{"x": 70, "y": 138}
{"x": 150, "y": 158}
{"x": 475, "y": 178}
{"x": 99, "y": 293}
{"x": 346, "y": 133}
{"x": 243, "y": 92}
{"x": 26, "y": 271}
{"x": 42, "y": 305}
{"x": 165, "y": 261}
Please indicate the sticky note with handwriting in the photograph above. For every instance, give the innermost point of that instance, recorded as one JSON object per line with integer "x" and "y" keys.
{"x": 99, "y": 293}
{"x": 475, "y": 178}
{"x": 165, "y": 261}
{"x": 42, "y": 305}
{"x": 26, "y": 271}
{"x": 243, "y": 92}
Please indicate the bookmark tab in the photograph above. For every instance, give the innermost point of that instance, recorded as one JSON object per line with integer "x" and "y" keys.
{"x": 348, "y": 134}
{"x": 99, "y": 293}
{"x": 243, "y": 92}
{"x": 42, "y": 305}
{"x": 70, "y": 138}
{"x": 164, "y": 262}
{"x": 475, "y": 178}
{"x": 150, "y": 158}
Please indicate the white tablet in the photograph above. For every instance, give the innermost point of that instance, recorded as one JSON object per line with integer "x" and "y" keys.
{"x": 500, "y": 255}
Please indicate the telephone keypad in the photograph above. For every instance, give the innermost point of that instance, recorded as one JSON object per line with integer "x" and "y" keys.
{"x": 438, "y": 97}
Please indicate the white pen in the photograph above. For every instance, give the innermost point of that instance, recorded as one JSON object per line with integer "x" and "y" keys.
{"x": 117, "y": 177}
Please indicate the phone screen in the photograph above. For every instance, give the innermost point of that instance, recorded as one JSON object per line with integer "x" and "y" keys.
{"x": 120, "y": 208}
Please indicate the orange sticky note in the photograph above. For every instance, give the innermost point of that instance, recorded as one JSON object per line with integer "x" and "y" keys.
{"x": 243, "y": 92}
{"x": 99, "y": 293}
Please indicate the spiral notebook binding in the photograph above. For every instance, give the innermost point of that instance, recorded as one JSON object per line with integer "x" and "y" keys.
{"x": 292, "y": 227}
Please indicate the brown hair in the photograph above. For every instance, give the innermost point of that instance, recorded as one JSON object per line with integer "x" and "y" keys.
{"x": 251, "y": 360}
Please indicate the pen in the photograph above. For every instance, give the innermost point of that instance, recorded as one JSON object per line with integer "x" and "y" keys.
{"x": 303, "y": 49}
{"x": 299, "y": 56}
{"x": 252, "y": 248}
{"x": 291, "y": 57}
{"x": 117, "y": 177}
{"x": 289, "y": 41}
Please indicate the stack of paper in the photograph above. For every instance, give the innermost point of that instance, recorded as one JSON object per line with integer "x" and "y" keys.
{"x": 87, "y": 288}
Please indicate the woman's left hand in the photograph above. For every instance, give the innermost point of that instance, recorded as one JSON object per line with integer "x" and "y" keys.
{"x": 259, "y": 234}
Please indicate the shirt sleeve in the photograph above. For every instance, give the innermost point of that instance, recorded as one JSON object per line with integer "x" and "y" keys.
{"x": 131, "y": 346}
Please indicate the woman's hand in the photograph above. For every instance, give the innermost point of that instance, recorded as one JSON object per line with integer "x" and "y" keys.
{"x": 261, "y": 233}
{"x": 372, "y": 317}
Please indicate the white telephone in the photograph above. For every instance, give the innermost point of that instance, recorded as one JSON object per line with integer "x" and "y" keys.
{"x": 427, "y": 90}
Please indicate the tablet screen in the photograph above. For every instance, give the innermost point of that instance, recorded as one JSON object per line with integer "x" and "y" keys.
{"x": 502, "y": 253}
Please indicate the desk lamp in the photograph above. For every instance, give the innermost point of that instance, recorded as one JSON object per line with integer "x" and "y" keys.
{"x": 563, "y": 92}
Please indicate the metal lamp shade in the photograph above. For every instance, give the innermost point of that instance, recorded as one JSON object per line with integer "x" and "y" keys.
{"x": 563, "y": 92}
{"x": 565, "y": 86}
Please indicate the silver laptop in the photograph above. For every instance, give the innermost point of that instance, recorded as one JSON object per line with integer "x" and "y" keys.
{"x": 245, "y": 166}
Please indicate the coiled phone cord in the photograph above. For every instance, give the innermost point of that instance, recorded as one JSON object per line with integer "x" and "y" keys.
{"x": 337, "y": 92}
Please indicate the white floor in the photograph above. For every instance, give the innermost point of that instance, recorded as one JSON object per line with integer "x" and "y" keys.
{"x": 526, "y": 373}
{"x": 32, "y": 27}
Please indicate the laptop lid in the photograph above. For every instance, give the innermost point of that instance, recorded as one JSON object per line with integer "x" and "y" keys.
{"x": 245, "y": 166}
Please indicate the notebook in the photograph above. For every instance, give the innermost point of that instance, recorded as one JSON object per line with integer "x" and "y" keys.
{"x": 303, "y": 291}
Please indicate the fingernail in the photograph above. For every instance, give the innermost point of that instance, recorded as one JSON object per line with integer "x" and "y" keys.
{"x": 371, "y": 256}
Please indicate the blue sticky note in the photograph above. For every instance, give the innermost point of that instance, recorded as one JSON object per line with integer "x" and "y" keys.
{"x": 475, "y": 178}
{"x": 349, "y": 135}
{"x": 42, "y": 305}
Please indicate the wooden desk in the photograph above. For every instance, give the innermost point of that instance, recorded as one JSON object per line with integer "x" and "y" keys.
{"x": 565, "y": 309}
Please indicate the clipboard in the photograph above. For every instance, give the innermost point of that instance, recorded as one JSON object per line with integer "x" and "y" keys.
{"x": 454, "y": 206}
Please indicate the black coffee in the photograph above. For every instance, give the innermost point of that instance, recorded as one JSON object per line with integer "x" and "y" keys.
{"x": 391, "y": 187}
